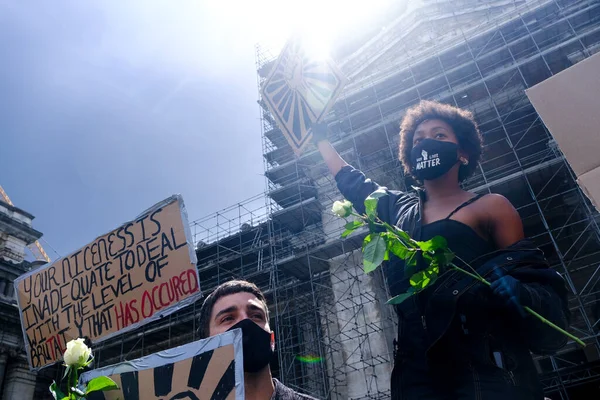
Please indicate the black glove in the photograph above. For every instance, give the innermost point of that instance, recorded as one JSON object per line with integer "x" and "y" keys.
{"x": 319, "y": 132}
{"x": 511, "y": 293}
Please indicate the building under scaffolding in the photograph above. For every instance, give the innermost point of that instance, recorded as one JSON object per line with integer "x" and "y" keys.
{"x": 334, "y": 333}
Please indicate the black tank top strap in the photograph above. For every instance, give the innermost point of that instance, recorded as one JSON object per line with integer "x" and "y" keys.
{"x": 466, "y": 203}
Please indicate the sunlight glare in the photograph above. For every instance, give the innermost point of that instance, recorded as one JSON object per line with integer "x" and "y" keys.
{"x": 320, "y": 22}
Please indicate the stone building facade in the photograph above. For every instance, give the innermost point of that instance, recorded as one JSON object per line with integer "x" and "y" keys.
{"x": 16, "y": 232}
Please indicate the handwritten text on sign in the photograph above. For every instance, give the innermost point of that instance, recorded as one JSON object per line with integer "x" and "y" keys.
{"x": 138, "y": 270}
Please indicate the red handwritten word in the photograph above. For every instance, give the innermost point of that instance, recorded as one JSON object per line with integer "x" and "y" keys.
{"x": 55, "y": 346}
{"x": 160, "y": 296}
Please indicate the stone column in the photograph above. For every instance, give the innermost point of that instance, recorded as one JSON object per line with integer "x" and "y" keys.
{"x": 19, "y": 382}
{"x": 363, "y": 326}
{"x": 3, "y": 359}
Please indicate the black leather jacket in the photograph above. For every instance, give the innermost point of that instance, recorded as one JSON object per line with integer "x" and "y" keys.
{"x": 456, "y": 292}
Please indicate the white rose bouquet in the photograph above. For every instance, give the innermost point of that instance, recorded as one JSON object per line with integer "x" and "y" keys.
{"x": 78, "y": 356}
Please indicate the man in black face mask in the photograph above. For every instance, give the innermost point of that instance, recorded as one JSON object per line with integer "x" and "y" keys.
{"x": 241, "y": 304}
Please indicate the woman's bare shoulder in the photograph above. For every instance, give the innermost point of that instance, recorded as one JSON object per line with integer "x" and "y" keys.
{"x": 503, "y": 220}
{"x": 496, "y": 199}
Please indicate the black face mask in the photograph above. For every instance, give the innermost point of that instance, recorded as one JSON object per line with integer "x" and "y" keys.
{"x": 433, "y": 158}
{"x": 257, "y": 345}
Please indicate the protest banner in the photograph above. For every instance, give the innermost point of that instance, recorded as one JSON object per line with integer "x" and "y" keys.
{"x": 568, "y": 105}
{"x": 137, "y": 273}
{"x": 206, "y": 369}
{"x": 300, "y": 90}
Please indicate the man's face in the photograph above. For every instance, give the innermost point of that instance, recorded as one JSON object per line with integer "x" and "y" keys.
{"x": 231, "y": 309}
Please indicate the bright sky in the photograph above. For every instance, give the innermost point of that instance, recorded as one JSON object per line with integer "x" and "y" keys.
{"x": 109, "y": 106}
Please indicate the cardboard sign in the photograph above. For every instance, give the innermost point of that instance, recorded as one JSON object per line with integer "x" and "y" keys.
{"x": 300, "y": 90}
{"x": 590, "y": 183}
{"x": 207, "y": 369}
{"x": 139, "y": 272}
{"x": 568, "y": 104}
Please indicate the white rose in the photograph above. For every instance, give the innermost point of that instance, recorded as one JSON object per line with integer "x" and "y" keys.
{"x": 77, "y": 353}
{"x": 342, "y": 209}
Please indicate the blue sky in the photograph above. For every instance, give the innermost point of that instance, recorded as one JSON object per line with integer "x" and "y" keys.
{"x": 107, "y": 108}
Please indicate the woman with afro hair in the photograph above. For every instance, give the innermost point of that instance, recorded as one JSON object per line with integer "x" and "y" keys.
{"x": 460, "y": 339}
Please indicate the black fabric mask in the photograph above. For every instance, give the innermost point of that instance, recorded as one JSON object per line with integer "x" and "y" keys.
{"x": 257, "y": 345}
{"x": 433, "y": 158}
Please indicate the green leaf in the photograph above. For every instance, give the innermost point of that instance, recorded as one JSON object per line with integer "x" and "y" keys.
{"x": 100, "y": 383}
{"x": 432, "y": 272}
{"x": 386, "y": 257}
{"x": 347, "y": 233}
{"x": 67, "y": 370}
{"x": 410, "y": 265}
{"x": 399, "y": 299}
{"x": 420, "y": 280}
{"x": 354, "y": 224}
{"x": 366, "y": 241}
{"x": 443, "y": 257}
{"x": 57, "y": 393}
{"x": 411, "y": 258}
{"x": 374, "y": 253}
{"x": 371, "y": 202}
{"x": 437, "y": 242}
{"x": 396, "y": 247}
{"x": 351, "y": 227}
{"x": 89, "y": 361}
{"x": 424, "y": 278}
{"x": 371, "y": 207}
{"x": 404, "y": 236}
{"x": 372, "y": 227}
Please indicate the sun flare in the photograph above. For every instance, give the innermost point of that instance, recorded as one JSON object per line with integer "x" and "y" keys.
{"x": 319, "y": 22}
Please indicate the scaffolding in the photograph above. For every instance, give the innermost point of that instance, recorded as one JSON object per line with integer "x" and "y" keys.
{"x": 476, "y": 55}
{"x": 334, "y": 332}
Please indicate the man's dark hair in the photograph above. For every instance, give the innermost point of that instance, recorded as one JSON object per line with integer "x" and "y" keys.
{"x": 226, "y": 289}
{"x": 462, "y": 122}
